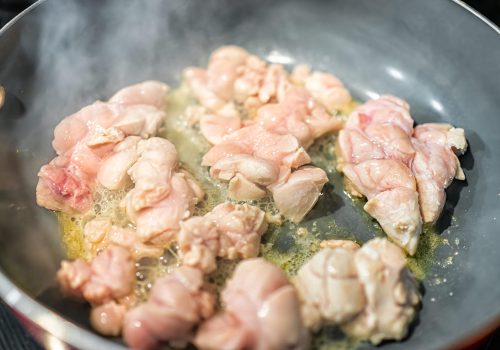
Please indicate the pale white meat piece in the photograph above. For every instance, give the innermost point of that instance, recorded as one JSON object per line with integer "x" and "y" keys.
{"x": 398, "y": 213}
{"x": 296, "y": 195}
{"x": 368, "y": 292}
{"x": 391, "y": 191}
{"x": 229, "y": 231}
{"x": 329, "y": 289}
{"x": 436, "y": 165}
{"x": 257, "y": 170}
{"x": 261, "y": 312}
{"x": 176, "y": 304}
{"x": 391, "y": 293}
{"x": 113, "y": 172}
{"x": 241, "y": 188}
{"x": 140, "y": 120}
{"x": 443, "y": 134}
{"x": 100, "y": 233}
{"x": 149, "y": 92}
{"x": 339, "y": 243}
{"x": 110, "y": 276}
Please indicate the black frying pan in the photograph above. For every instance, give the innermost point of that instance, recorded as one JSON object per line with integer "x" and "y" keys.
{"x": 61, "y": 55}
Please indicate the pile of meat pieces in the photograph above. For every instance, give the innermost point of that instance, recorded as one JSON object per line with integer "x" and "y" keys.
{"x": 285, "y": 114}
{"x": 403, "y": 171}
{"x": 366, "y": 291}
{"x": 111, "y": 144}
{"x": 229, "y": 231}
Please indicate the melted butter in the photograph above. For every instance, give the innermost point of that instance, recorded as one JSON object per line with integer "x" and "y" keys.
{"x": 420, "y": 263}
{"x": 106, "y": 204}
{"x": 72, "y": 235}
{"x": 191, "y": 146}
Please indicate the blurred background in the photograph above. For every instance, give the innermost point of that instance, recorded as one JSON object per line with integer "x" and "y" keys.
{"x": 12, "y": 333}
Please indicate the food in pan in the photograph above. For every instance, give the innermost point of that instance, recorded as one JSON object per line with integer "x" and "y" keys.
{"x": 169, "y": 200}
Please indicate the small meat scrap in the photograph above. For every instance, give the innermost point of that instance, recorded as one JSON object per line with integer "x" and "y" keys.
{"x": 254, "y": 160}
{"x": 162, "y": 195}
{"x": 261, "y": 312}
{"x": 230, "y": 231}
{"x": 100, "y": 233}
{"x": 106, "y": 283}
{"x": 85, "y": 140}
{"x": 176, "y": 304}
{"x": 368, "y": 292}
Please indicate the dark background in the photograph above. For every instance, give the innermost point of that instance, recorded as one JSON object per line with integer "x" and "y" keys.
{"x": 12, "y": 334}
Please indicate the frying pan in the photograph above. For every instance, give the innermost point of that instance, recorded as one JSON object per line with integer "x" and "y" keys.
{"x": 61, "y": 55}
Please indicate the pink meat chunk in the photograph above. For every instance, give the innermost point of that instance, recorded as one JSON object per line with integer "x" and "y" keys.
{"x": 261, "y": 312}
{"x": 85, "y": 140}
{"x": 230, "y": 231}
{"x": 107, "y": 283}
{"x": 384, "y": 110}
{"x": 176, "y": 304}
{"x": 153, "y": 93}
{"x": 328, "y": 90}
{"x": 376, "y": 153}
{"x": 107, "y": 319}
{"x": 298, "y": 114}
{"x": 254, "y": 160}
{"x": 110, "y": 275}
{"x": 162, "y": 195}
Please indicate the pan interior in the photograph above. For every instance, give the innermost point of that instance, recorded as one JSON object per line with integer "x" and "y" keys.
{"x": 62, "y": 56}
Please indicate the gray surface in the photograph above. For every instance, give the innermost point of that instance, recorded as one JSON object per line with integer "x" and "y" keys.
{"x": 435, "y": 54}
